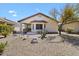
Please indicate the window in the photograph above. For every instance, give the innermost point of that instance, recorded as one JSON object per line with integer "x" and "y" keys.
{"x": 39, "y": 26}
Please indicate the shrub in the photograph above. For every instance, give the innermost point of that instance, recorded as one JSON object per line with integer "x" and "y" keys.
{"x": 5, "y": 33}
{"x": 2, "y": 47}
{"x": 5, "y": 29}
{"x": 43, "y": 34}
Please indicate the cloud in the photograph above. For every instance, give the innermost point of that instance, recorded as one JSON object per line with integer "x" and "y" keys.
{"x": 38, "y": 10}
{"x": 12, "y": 12}
{"x": 14, "y": 15}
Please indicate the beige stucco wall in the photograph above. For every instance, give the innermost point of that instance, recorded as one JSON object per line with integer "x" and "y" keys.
{"x": 16, "y": 27}
{"x": 51, "y": 25}
{"x": 74, "y": 26}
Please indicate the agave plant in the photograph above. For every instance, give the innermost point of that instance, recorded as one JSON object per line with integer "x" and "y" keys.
{"x": 2, "y": 47}
{"x": 43, "y": 34}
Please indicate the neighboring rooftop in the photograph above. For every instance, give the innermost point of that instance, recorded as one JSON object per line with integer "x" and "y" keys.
{"x": 6, "y": 20}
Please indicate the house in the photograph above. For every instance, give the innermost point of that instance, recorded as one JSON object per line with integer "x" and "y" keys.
{"x": 17, "y": 28}
{"x": 38, "y": 22}
{"x": 73, "y": 26}
{"x": 8, "y": 22}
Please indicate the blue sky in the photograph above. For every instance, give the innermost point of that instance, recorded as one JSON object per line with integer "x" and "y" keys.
{"x": 17, "y": 11}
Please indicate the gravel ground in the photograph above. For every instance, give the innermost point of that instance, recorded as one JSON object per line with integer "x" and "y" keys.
{"x": 18, "y": 47}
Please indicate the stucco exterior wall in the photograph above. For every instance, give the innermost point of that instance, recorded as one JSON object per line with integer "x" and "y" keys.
{"x": 17, "y": 27}
{"x": 52, "y": 26}
{"x": 74, "y": 26}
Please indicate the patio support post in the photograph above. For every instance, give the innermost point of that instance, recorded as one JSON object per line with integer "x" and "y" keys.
{"x": 43, "y": 27}
{"x": 34, "y": 27}
{"x": 21, "y": 30}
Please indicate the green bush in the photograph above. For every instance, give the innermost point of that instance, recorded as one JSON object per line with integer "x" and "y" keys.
{"x": 5, "y": 33}
{"x": 5, "y": 29}
{"x": 2, "y": 47}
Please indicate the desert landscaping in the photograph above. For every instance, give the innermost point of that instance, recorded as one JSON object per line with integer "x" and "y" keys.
{"x": 54, "y": 31}
{"x": 52, "y": 45}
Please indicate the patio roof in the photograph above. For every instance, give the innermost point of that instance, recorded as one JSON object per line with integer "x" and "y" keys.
{"x": 39, "y": 21}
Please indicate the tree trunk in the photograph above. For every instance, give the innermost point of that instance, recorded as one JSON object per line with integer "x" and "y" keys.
{"x": 5, "y": 36}
{"x": 60, "y": 29}
{"x": 60, "y": 33}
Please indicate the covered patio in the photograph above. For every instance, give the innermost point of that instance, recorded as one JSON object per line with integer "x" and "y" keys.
{"x": 34, "y": 26}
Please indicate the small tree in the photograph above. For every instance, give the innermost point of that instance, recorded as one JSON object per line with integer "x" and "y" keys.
{"x": 43, "y": 34}
{"x": 68, "y": 14}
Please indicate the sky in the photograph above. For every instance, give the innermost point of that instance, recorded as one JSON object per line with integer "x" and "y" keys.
{"x": 18, "y": 11}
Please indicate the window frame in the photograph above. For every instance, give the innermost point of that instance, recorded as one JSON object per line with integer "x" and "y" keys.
{"x": 39, "y": 26}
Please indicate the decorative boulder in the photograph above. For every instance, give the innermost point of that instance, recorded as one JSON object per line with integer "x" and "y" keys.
{"x": 34, "y": 40}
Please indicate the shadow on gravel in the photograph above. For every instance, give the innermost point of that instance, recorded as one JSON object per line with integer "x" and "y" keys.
{"x": 1, "y": 37}
{"x": 71, "y": 39}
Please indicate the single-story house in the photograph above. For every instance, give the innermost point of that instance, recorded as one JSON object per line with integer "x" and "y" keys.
{"x": 73, "y": 26}
{"x": 8, "y": 22}
{"x": 38, "y": 22}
